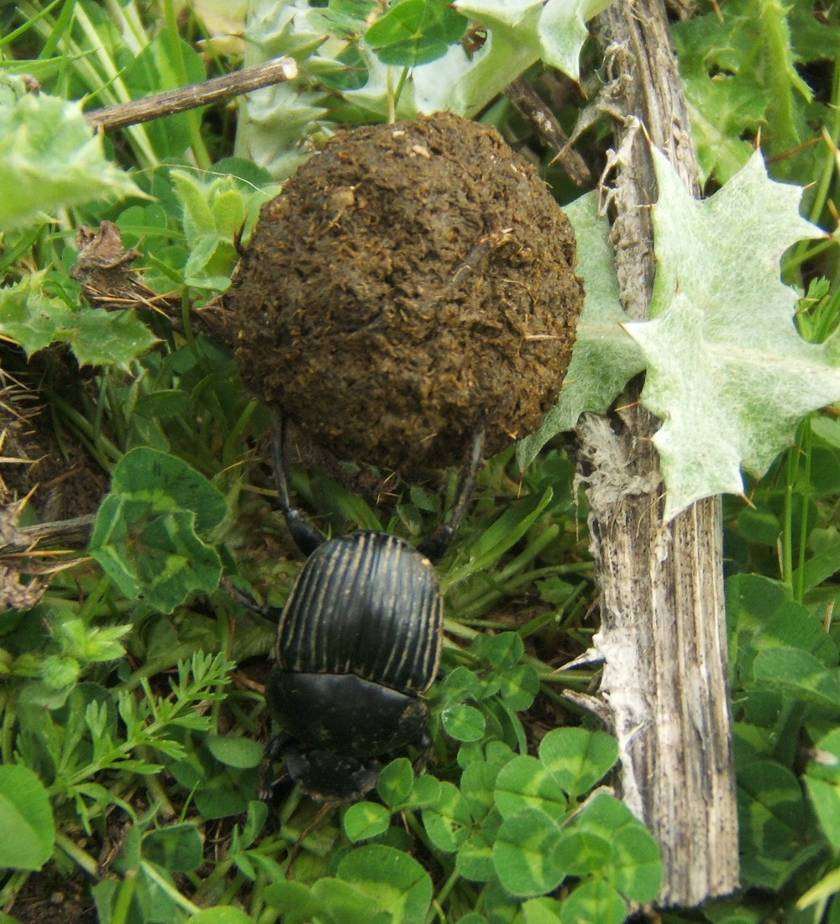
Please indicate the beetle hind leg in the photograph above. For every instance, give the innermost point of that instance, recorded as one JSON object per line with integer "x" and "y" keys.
{"x": 435, "y": 545}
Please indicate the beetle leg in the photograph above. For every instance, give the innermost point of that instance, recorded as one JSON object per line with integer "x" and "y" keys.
{"x": 436, "y": 545}
{"x": 273, "y": 750}
{"x": 307, "y": 536}
{"x": 424, "y": 746}
{"x": 246, "y": 600}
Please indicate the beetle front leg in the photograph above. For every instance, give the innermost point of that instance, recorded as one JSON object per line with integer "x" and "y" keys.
{"x": 435, "y": 546}
{"x": 307, "y": 536}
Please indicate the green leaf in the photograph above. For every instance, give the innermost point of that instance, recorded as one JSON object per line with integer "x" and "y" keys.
{"x": 594, "y": 901}
{"x": 541, "y": 911}
{"x": 26, "y": 820}
{"x": 365, "y": 820}
{"x": 525, "y": 782}
{"x": 414, "y": 32}
{"x": 193, "y": 196}
{"x": 726, "y": 371}
{"x": 59, "y": 671}
{"x": 636, "y": 864}
{"x": 146, "y": 531}
{"x": 50, "y": 157}
{"x": 825, "y": 798}
{"x": 449, "y": 822}
{"x": 562, "y": 31}
{"x": 342, "y": 902}
{"x": 721, "y": 109}
{"x": 177, "y": 848}
{"x": 584, "y": 852}
{"x": 293, "y": 900}
{"x": 34, "y": 319}
{"x": 578, "y": 758}
{"x": 771, "y": 809}
{"x": 554, "y": 31}
{"x": 426, "y": 791}
{"x": 504, "y": 533}
{"x": 820, "y": 567}
{"x": 396, "y": 782}
{"x": 605, "y": 357}
{"x": 525, "y": 854}
{"x": 235, "y": 751}
{"x": 798, "y": 674}
{"x": 462, "y": 722}
{"x": 221, "y": 914}
{"x": 478, "y": 783}
{"x": 394, "y": 881}
{"x": 605, "y": 815}
{"x": 519, "y": 33}
{"x": 500, "y": 651}
{"x": 475, "y": 855}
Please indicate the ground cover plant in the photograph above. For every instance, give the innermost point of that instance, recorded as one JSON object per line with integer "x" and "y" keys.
{"x": 132, "y": 677}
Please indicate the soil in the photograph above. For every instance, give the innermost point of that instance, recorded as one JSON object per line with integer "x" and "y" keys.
{"x": 412, "y": 282}
{"x": 67, "y": 483}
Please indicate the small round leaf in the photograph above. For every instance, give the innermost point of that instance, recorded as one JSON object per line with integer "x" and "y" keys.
{"x": 525, "y": 854}
{"x": 235, "y": 751}
{"x": 394, "y": 881}
{"x": 463, "y": 723}
{"x": 449, "y": 822}
{"x": 595, "y": 900}
{"x": 578, "y": 758}
{"x": 525, "y": 783}
{"x": 396, "y": 782}
{"x": 365, "y": 820}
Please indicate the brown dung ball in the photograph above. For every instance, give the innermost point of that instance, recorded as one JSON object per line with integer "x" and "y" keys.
{"x": 412, "y": 282}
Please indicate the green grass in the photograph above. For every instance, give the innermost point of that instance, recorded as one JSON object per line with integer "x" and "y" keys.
{"x": 131, "y": 694}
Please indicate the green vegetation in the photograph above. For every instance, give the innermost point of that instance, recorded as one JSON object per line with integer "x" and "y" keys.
{"x": 132, "y": 718}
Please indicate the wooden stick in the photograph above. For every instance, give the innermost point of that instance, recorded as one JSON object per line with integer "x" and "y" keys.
{"x": 530, "y": 105}
{"x": 74, "y": 533}
{"x": 663, "y": 626}
{"x": 197, "y": 94}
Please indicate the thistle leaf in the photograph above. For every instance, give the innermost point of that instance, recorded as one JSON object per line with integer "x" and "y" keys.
{"x": 727, "y": 371}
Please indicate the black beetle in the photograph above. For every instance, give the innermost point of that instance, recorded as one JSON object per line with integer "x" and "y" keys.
{"x": 358, "y": 644}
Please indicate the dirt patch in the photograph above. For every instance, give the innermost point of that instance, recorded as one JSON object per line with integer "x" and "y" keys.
{"x": 411, "y": 281}
{"x": 67, "y": 483}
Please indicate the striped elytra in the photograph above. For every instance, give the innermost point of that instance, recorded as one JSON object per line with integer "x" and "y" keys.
{"x": 366, "y": 604}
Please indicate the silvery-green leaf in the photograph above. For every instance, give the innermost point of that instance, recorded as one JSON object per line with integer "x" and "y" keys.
{"x": 604, "y": 357}
{"x": 50, "y": 157}
{"x": 727, "y": 372}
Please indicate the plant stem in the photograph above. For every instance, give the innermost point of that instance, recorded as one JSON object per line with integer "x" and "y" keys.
{"x": 787, "y": 525}
{"x": 81, "y": 857}
{"x": 122, "y": 905}
{"x": 805, "y": 494}
{"x": 168, "y": 888}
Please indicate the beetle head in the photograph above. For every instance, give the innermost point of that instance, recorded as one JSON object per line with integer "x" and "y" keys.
{"x": 330, "y": 777}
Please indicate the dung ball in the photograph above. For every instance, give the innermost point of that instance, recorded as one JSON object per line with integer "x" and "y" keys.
{"x": 411, "y": 283}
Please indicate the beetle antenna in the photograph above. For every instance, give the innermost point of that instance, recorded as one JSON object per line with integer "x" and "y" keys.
{"x": 307, "y": 536}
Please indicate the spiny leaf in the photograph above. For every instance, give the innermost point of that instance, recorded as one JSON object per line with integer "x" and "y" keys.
{"x": 519, "y": 33}
{"x": 727, "y": 371}
{"x": 50, "y": 157}
{"x": 605, "y": 358}
{"x": 34, "y": 319}
{"x": 555, "y": 30}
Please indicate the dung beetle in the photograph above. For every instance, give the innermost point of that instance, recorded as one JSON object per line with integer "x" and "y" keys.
{"x": 358, "y": 644}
